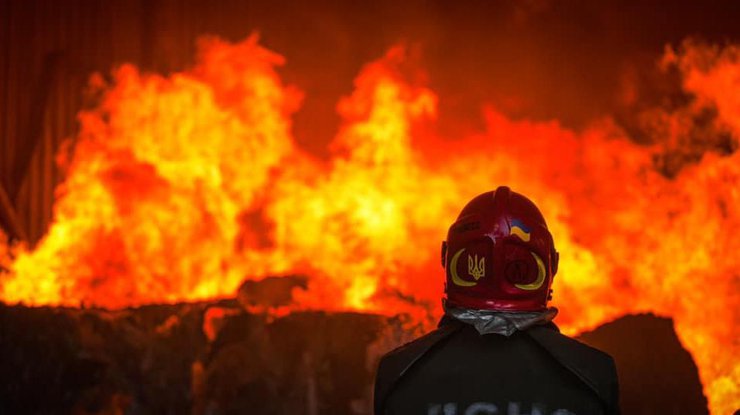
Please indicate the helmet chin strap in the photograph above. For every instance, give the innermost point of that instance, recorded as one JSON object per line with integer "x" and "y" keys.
{"x": 444, "y": 254}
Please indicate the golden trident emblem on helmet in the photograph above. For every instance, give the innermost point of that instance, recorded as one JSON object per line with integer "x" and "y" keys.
{"x": 476, "y": 268}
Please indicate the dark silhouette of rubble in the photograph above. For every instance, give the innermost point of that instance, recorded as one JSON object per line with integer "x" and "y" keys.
{"x": 163, "y": 359}
{"x": 656, "y": 374}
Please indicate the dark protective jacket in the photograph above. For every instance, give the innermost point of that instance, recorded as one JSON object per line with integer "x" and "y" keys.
{"x": 456, "y": 371}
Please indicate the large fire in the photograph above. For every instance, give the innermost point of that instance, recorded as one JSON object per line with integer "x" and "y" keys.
{"x": 182, "y": 187}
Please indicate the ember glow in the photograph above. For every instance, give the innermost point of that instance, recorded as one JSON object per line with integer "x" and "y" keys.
{"x": 182, "y": 187}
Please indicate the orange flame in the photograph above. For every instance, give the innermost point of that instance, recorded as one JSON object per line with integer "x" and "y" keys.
{"x": 181, "y": 187}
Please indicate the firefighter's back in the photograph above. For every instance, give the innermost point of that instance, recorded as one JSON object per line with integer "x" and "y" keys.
{"x": 471, "y": 374}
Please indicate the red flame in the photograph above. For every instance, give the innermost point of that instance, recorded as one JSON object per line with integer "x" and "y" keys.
{"x": 183, "y": 186}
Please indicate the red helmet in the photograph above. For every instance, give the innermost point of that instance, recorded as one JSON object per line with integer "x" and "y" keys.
{"x": 499, "y": 255}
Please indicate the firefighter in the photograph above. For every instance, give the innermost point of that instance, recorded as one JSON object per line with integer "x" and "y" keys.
{"x": 496, "y": 350}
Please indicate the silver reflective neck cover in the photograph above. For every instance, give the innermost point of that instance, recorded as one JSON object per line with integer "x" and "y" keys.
{"x": 501, "y": 322}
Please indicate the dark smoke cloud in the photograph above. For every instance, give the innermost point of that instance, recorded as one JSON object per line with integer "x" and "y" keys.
{"x": 538, "y": 59}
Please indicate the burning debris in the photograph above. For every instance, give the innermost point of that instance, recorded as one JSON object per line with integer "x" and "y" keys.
{"x": 271, "y": 292}
{"x": 180, "y": 186}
